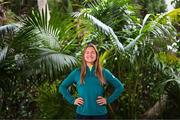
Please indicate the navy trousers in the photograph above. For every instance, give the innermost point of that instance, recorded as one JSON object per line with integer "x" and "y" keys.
{"x": 87, "y": 117}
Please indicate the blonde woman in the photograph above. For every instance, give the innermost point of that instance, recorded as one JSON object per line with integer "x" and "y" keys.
{"x": 89, "y": 80}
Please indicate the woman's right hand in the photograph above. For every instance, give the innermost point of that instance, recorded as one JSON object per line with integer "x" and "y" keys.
{"x": 79, "y": 101}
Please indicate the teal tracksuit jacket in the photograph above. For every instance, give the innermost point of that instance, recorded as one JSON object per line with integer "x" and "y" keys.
{"x": 90, "y": 90}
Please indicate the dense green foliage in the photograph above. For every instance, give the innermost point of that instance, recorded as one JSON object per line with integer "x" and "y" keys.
{"x": 37, "y": 54}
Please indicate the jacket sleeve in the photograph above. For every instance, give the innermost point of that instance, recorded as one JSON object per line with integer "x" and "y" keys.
{"x": 63, "y": 88}
{"x": 118, "y": 86}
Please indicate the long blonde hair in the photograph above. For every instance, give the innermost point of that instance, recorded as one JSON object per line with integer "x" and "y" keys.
{"x": 98, "y": 68}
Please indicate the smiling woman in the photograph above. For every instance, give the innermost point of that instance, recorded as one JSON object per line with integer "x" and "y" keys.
{"x": 89, "y": 80}
{"x": 90, "y": 56}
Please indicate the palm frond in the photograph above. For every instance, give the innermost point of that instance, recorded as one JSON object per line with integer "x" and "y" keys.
{"x": 47, "y": 45}
{"x": 103, "y": 57}
{"x": 154, "y": 28}
{"x": 132, "y": 43}
{"x": 51, "y": 62}
{"x": 45, "y": 31}
{"x": 116, "y": 11}
{"x": 173, "y": 14}
{"x": 144, "y": 22}
{"x": 176, "y": 79}
{"x": 7, "y": 28}
{"x": 104, "y": 28}
{"x": 36, "y": 32}
{"x": 3, "y": 53}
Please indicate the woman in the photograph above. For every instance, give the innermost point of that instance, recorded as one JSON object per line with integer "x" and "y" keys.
{"x": 89, "y": 80}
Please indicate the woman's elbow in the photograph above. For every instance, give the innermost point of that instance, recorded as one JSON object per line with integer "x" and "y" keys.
{"x": 61, "y": 88}
{"x": 121, "y": 88}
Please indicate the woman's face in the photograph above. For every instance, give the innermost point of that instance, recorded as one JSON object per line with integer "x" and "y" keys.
{"x": 90, "y": 55}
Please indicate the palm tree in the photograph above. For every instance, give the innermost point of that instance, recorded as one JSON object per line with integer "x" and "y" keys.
{"x": 46, "y": 45}
{"x": 38, "y": 51}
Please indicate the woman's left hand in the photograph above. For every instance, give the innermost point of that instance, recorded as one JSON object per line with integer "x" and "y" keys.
{"x": 101, "y": 100}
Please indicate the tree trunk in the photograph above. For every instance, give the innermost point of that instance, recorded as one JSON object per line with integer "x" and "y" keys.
{"x": 2, "y": 16}
{"x": 158, "y": 108}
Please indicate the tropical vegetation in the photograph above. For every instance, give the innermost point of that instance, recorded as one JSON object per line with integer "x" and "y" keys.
{"x": 39, "y": 47}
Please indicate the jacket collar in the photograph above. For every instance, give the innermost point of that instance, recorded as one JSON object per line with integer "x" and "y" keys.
{"x": 88, "y": 69}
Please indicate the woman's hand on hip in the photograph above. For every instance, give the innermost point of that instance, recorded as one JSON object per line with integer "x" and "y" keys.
{"x": 101, "y": 100}
{"x": 79, "y": 101}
